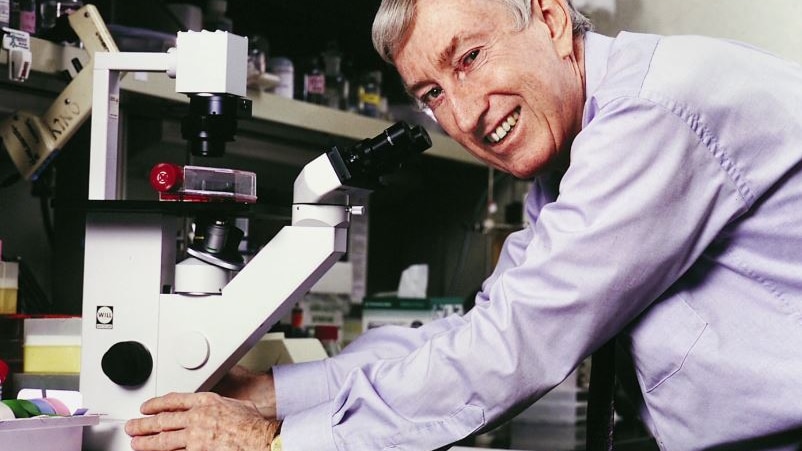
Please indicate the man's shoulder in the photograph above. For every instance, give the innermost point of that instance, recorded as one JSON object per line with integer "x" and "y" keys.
{"x": 673, "y": 68}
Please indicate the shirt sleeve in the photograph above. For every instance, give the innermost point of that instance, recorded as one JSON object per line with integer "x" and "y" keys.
{"x": 304, "y": 385}
{"x": 643, "y": 197}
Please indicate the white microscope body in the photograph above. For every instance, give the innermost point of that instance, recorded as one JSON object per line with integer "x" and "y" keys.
{"x": 142, "y": 338}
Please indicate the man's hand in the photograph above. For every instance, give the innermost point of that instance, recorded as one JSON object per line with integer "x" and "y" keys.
{"x": 200, "y": 422}
{"x": 246, "y": 385}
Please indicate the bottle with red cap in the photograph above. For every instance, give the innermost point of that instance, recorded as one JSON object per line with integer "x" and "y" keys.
{"x": 3, "y": 375}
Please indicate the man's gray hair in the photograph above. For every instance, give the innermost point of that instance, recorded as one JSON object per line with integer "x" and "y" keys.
{"x": 395, "y": 17}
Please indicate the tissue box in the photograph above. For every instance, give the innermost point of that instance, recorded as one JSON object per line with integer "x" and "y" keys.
{"x": 52, "y": 345}
{"x": 9, "y": 284}
{"x": 411, "y": 312}
{"x": 45, "y": 433}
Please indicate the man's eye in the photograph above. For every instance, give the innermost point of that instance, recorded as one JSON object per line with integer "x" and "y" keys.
{"x": 431, "y": 95}
{"x": 470, "y": 57}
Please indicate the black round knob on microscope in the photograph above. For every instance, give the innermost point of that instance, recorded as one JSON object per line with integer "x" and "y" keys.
{"x": 127, "y": 363}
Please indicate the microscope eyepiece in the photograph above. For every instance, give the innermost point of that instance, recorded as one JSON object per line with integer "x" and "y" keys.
{"x": 371, "y": 158}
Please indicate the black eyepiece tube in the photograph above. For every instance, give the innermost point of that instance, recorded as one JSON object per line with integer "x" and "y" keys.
{"x": 382, "y": 154}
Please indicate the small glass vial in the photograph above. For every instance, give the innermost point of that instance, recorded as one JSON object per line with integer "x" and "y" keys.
{"x": 23, "y": 15}
{"x": 283, "y": 68}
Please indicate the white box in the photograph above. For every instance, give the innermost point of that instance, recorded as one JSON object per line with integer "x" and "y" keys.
{"x": 45, "y": 433}
{"x": 52, "y": 345}
{"x": 214, "y": 62}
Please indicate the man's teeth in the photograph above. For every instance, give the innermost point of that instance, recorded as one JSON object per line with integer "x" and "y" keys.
{"x": 504, "y": 128}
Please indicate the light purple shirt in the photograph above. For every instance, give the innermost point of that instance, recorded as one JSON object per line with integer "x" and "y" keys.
{"x": 679, "y": 222}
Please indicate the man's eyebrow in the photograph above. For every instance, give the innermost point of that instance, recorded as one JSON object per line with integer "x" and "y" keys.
{"x": 444, "y": 58}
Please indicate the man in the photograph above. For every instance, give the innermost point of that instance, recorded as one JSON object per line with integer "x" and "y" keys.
{"x": 666, "y": 210}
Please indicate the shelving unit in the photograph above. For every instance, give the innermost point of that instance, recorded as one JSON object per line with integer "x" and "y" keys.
{"x": 420, "y": 213}
{"x": 274, "y": 111}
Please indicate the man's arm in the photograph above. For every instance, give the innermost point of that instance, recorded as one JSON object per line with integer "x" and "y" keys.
{"x": 632, "y": 216}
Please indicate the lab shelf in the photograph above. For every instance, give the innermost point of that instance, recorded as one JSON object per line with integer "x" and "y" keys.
{"x": 268, "y": 109}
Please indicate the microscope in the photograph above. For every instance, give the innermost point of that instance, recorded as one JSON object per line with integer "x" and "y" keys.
{"x": 153, "y": 326}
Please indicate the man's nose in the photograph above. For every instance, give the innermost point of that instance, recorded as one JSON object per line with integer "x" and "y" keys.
{"x": 468, "y": 104}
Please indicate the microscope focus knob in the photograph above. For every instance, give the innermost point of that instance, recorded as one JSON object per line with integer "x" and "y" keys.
{"x": 127, "y": 363}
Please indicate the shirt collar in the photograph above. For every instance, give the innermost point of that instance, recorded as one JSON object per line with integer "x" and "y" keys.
{"x": 597, "y": 50}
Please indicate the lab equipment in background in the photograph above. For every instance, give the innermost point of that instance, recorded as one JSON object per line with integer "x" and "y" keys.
{"x": 11, "y": 336}
{"x": 190, "y": 16}
{"x": 149, "y": 336}
{"x": 369, "y": 94}
{"x": 18, "y": 45}
{"x": 275, "y": 348}
{"x": 23, "y": 15}
{"x": 297, "y": 323}
{"x": 9, "y": 287}
{"x": 52, "y": 345}
{"x": 214, "y": 16}
{"x": 32, "y": 141}
{"x": 43, "y": 421}
{"x": 51, "y": 10}
{"x": 329, "y": 337}
{"x": 258, "y": 54}
{"x": 4, "y": 370}
{"x": 408, "y": 312}
{"x": 314, "y": 83}
{"x": 283, "y": 68}
{"x": 202, "y": 184}
{"x": 5, "y": 13}
{"x": 337, "y": 85}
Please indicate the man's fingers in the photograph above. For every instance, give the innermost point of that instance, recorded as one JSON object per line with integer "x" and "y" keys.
{"x": 165, "y": 421}
{"x": 174, "y": 402}
{"x": 166, "y": 441}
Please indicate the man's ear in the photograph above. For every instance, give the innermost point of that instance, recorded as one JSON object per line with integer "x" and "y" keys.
{"x": 557, "y": 18}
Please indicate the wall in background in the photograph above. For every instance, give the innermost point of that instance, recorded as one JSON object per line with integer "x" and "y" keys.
{"x": 771, "y": 24}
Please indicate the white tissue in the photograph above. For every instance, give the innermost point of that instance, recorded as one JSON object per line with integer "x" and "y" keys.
{"x": 413, "y": 282}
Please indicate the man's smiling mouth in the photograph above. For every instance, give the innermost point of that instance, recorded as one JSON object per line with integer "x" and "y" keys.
{"x": 504, "y": 128}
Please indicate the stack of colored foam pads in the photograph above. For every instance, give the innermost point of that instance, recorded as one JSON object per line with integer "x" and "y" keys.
{"x": 28, "y": 408}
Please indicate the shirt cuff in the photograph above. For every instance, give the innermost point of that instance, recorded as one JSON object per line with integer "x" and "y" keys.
{"x": 299, "y": 386}
{"x": 310, "y": 429}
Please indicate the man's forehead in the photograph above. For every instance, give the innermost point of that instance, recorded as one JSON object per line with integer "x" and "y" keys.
{"x": 436, "y": 56}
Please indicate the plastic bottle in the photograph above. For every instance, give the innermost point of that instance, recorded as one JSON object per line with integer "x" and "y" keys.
{"x": 337, "y": 85}
{"x": 297, "y": 323}
{"x": 370, "y": 94}
{"x": 5, "y": 13}
{"x": 283, "y": 68}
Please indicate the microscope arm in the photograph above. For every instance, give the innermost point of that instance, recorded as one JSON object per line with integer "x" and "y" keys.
{"x": 32, "y": 141}
{"x": 198, "y": 342}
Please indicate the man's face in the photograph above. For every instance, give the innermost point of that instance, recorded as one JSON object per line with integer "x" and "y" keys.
{"x": 512, "y": 98}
